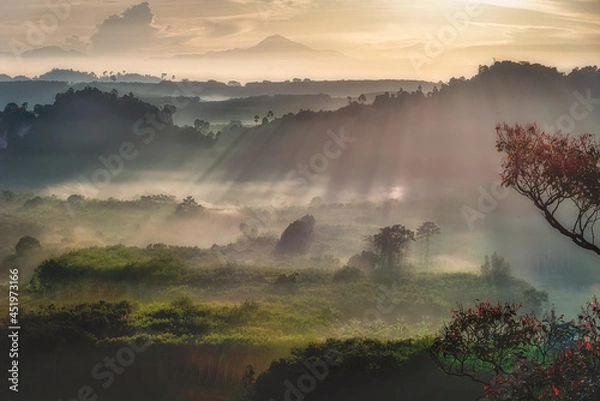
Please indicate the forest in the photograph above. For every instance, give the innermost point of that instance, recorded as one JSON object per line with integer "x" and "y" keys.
{"x": 434, "y": 242}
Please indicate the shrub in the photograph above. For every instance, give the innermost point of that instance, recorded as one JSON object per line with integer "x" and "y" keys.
{"x": 347, "y": 274}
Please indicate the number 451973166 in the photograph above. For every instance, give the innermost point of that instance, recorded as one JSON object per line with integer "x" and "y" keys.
{"x": 13, "y": 296}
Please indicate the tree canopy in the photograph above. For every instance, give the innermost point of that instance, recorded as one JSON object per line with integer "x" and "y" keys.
{"x": 559, "y": 174}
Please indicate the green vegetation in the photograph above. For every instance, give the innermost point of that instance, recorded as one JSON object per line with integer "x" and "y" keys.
{"x": 218, "y": 309}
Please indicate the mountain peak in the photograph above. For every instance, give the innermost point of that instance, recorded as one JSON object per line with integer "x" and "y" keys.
{"x": 280, "y": 43}
{"x": 276, "y": 38}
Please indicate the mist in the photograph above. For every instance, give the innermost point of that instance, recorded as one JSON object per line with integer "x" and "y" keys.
{"x": 257, "y": 208}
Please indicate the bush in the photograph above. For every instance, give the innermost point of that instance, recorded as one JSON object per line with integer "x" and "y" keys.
{"x": 337, "y": 362}
{"x": 347, "y": 274}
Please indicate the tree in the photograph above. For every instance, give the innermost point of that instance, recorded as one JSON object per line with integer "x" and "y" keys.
{"x": 559, "y": 174}
{"x": 188, "y": 207}
{"x": 27, "y": 245}
{"x": 256, "y": 118}
{"x": 201, "y": 125}
{"x": 425, "y": 232}
{"x": 390, "y": 245}
{"x": 76, "y": 200}
{"x": 495, "y": 271}
{"x": 362, "y": 98}
{"x": 520, "y": 357}
{"x": 298, "y": 236}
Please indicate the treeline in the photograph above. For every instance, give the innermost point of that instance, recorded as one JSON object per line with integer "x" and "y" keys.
{"x": 398, "y": 135}
{"x": 89, "y": 120}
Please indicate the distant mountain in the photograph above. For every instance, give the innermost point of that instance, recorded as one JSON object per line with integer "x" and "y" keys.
{"x": 52, "y": 52}
{"x": 278, "y": 43}
{"x": 274, "y": 45}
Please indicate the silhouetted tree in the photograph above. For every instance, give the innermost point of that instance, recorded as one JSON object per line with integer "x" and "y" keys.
{"x": 559, "y": 174}
{"x": 298, "y": 236}
{"x": 27, "y": 245}
{"x": 286, "y": 284}
{"x": 391, "y": 244}
{"x": 188, "y": 207}
{"x": 425, "y": 232}
{"x": 495, "y": 271}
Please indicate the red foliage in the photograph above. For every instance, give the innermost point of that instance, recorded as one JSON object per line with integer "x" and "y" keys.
{"x": 554, "y": 171}
{"x": 520, "y": 357}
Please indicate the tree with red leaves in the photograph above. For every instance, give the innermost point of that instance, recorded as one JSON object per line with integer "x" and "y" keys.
{"x": 520, "y": 357}
{"x": 559, "y": 174}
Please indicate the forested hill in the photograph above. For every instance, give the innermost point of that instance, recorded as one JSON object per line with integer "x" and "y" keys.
{"x": 443, "y": 135}
{"x": 56, "y": 141}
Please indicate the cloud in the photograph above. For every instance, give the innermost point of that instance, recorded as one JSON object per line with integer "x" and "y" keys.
{"x": 75, "y": 42}
{"x": 131, "y": 31}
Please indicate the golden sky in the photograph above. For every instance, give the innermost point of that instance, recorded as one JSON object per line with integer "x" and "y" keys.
{"x": 425, "y": 39}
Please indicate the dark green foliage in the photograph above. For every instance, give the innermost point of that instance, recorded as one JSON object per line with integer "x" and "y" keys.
{"x": 49, "y": 325}
{"x": 27, "y": 245}
{"x": 347, "y": 274}
{"x": 298, "y": 236}
{"x": 366, "y": 260}
{"x": 182, "y": 318}
{"x": 109, "y": 265}
{"x": 391, "y": 244}
{"x": 339, "y": 362}
{"x": 286, "y": 283}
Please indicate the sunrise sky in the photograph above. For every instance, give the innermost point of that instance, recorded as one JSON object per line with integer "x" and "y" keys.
{"x": 425, "y": 39}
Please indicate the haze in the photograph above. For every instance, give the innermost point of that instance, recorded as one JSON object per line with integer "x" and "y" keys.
{"x": 431, "y": 40}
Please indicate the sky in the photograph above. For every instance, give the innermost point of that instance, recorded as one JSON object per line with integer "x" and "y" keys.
{"x": 426, "y": 39}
